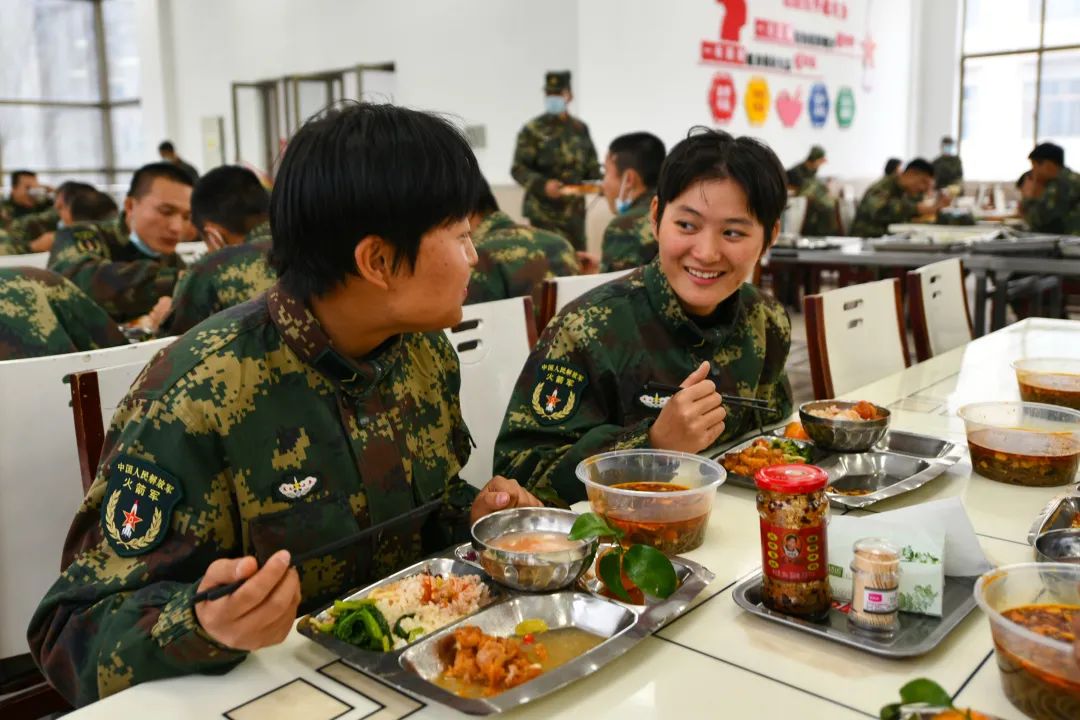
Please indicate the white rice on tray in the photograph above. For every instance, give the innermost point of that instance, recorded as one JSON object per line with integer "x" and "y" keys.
{"x": 435, "y": 601}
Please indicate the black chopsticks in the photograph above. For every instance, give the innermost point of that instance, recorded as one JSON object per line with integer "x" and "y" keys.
{"x": 733, "y": 400}
{"x": 221, "y": 591}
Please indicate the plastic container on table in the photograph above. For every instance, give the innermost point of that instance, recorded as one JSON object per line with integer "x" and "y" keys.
{"x": 1023, "y": 443}
{"x": 1054, "y": 381}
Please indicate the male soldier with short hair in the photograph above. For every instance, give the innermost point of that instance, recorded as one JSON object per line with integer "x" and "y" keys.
{"x": 231, "y": 210}
{"x": 27, "y": 197}
{"x": 821, "y": 218}
{"x": 948, "y": 169}
{"x": 513, "y": 260}
{"x": 168, "y": 154}
{"x": 45, "y": 314}
{"x": 130, "y": 264}
{"x": 631, "y": 171}
{"x": 553, "y": 150}
{"x": 327, "y": 405}
{"x": 896, "y": 199}
{"x": 1050, "y": 192}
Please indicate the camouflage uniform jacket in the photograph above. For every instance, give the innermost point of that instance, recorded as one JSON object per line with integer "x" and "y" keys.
{"x": 948, "y": 170}
{"x": 821, "y": 218}
{"x": 8, "y": 244}
{"x": 555, "y": 147}
{"x": 1057, "y": 210}
{"x": 514, "y": 260}
{"x": 27, "y": 228}
{"x": 629, "y": 241}
{"x": 249, "y": 435}
{"x": 884, "y": 203}
{"x": 42, "y": 313}
{"x": 582, "y": 390}
{"x": 101, "y": 259}
{"x": 221, "y": 279}
{"x": 11, "y": 211}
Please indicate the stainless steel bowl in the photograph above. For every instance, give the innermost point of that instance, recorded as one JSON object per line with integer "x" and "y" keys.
{"x": 530, "y": 572}
{"x": 1058, "y": 546}
{"x": 842, "y": 435}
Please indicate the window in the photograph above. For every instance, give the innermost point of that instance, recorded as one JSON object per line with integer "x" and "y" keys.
{"x": 1020, "y": 70}
{"x": 69, "y": 89}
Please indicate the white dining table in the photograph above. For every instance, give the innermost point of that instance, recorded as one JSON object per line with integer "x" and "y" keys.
{"x": 716, "y": 660}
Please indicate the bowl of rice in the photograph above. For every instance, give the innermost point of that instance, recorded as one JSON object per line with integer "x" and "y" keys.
{"x": 844, "y": 426}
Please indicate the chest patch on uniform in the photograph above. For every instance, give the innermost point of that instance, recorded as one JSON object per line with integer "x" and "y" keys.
{"x": 558, "y": 390}
{"x": 138, "y": 505}
{"x": 294, "y": 488}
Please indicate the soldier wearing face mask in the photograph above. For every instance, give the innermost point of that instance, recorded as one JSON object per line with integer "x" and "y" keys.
{"x": 631, "y": 171}
{"x": 948, "y": 170}
{"x": 554, "y": 150}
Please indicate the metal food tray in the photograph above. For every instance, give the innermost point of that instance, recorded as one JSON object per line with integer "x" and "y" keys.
{"x": 899, "y": 463}
{"x": 1060, "y": 513}
{"x": 918, "y": 634}
{"x": 413, "y": 668}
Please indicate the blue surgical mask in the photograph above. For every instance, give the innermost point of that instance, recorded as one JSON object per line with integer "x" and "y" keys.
{"x": 622, "y": 204}
{"x": 60, "y": 225}
{"x": 554, "y": 104}
{"x": 143, "y": 248}
{"x": 949, "y": 149}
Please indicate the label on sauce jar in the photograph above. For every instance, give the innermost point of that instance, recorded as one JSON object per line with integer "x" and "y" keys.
{"x": 880, "y": 602}
{"x": 792, "y": 555}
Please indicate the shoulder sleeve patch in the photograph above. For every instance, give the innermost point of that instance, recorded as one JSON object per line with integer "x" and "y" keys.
{"x": 138, "y": 505}
{"x": 557, "y": 392}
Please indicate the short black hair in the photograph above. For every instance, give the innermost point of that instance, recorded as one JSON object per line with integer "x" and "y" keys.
{"x": 166, "y": 146}
{"x": 145, "y": 176}
{"x": 1048, "y": 151}
{"x": 708, "y": 154}
{"x": 231, "y": 196}
{"x": 68, "y": 188}
{"x": 640, "y": 151}
{"x": 364, "y": 169}
{"x": 485, "y": 199}
{"x": 891, "y": 164}
{"x": 18, "y": 175}
{"x": 920, "y": 165}
{"x": 88, "y": 205}
{"x": 1020, "y": 180}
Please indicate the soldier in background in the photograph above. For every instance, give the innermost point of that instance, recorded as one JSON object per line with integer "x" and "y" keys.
{"x": 897, "y": 199}
{"x": 821, "y": 216}
{"x": 554, "y": 150}
{"x": 129, "y": 266}
{"x": 687, "y": 319}
{"x": 631, "y": 171}
{"x": 27, "y": 197}
{"x": 513, "y": 260}
{"x": 948, "y": 170}
{"x": 1050, "y": 193}
{"x": 326, "y": 405}
{"x": 45, "y": 314}
{"x": 168, "y": 154}
{"x": 231, "y": 210}
{"x": 892, "y": 166}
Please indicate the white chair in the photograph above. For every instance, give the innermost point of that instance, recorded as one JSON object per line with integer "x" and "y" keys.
{"x": 35, "y": 260}
{"x": 791, "y": 221}
{"x": 938, "y": 308}
{"x": 854, "y": 336}
{"x": 559, "y": 292}
{"x": 39, "y": 475}
{"x": 493, "y": 342}
{"x": 847, "y": 214}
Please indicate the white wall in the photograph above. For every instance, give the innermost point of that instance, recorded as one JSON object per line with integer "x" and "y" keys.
{"x": 937, "y": 75}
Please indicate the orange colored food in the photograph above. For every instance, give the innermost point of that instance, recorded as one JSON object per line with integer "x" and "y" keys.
{"x": 650, "y": 486}
{"x": 796, "y": 431}
{"x": 960, "y": 715}
{"x": 493, "y": 663}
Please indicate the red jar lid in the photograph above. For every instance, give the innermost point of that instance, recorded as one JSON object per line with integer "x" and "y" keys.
{"x": 793, "y": 479}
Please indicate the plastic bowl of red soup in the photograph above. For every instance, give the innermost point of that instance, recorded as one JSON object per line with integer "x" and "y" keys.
{"x": 1023, "y": 443}
{"x": 1032, "y": 607}
{"x": 1053, "y": 381}
{"x": 656, "y": 497}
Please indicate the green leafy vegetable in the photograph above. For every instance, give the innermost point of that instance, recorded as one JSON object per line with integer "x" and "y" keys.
{"x": 400, "y": 631}
{"x": 590, "y": 526}
{"x": 361, "y": 623}
{"x": 921, "y": 690}
{"x": 650, "y": 570}
{"x": 610, "y": 570}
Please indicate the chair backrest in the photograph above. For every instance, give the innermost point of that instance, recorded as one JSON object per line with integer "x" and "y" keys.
{"x": 35, "y": 260}
{"x": 938, "y": 308}
{"x": 493, "y": 342}
{"x": 791, "y": 221}
{"x": 559, "y": 292}
{"x": 846, "y": 207}
{"x": 854, "y": 336}
{"x": 39, "y": 476}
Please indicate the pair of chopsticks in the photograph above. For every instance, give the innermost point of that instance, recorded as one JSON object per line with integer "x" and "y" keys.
{"x": 733, "y": 400}
{"x": 221, "y": 591}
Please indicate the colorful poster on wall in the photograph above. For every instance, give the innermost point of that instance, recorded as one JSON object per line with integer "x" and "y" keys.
{"x": 845, "y": 107}
{"x": 757, "y": 100}
{"x": 722, "y": 98}
{"x": 818, "y": 103}
{"x": 789, "y": 106}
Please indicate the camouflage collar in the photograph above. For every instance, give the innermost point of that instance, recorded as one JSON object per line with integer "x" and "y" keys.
{"x": 642, "y": 202}
{"x": 258, "y": 233}
{"x": 302, "y": 332}
{"x": 666, "y": 304}
{"x": 497, "y": 220}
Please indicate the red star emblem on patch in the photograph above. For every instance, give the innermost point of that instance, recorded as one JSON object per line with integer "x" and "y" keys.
{"x": 131, "y": 517}
{"x": 552, "y": 398}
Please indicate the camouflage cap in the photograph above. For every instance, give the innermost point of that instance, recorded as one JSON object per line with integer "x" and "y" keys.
{"x": 556, "y": 81}
{"x": 816, "y": 153}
